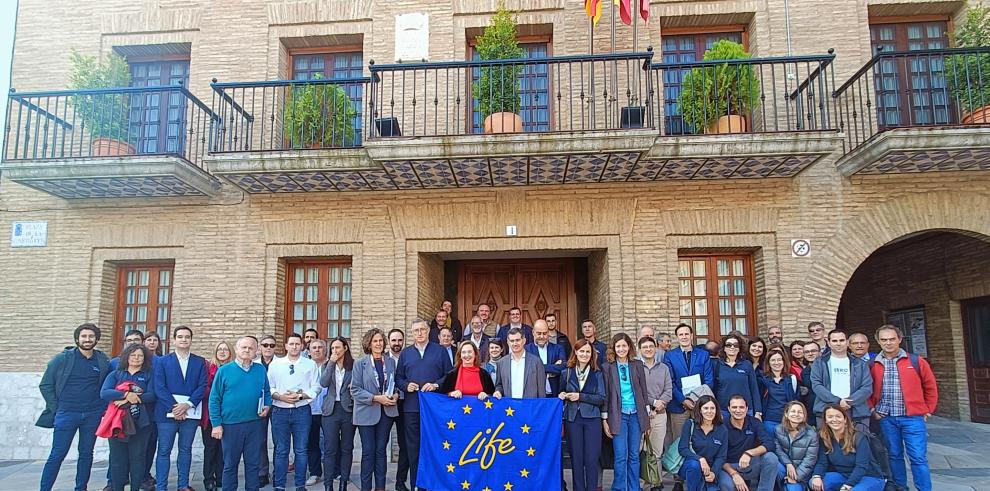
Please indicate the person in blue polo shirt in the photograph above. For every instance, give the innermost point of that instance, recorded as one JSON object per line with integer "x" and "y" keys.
{"x": 734, "y": 374}
{"x": 71, "y": 389}
{"x": 703, "y": 446}
{"x": 750, "y": 455}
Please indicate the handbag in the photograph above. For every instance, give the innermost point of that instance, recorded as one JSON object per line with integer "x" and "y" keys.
{"x": 672, "y": 458}
{"x": 649, "y": 468}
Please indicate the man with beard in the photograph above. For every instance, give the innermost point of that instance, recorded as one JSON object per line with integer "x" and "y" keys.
{"x": 397, "y": 341}
{"x": 71, "y": 389}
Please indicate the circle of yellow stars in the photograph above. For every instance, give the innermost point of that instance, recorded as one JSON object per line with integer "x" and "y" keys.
{"x": 530, "y": 452}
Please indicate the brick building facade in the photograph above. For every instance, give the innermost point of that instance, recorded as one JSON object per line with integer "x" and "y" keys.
{"x": 702, "y": 246}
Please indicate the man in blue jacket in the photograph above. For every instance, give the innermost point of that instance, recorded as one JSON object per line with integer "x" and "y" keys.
{"x": 688, "y": 365}
{"x": 71, "y": 389}
{"x": 180, "y": 383}
{"x": 551, "y": 355}
{"x": 515, "y": 320}
{"x": 421, "y": 367}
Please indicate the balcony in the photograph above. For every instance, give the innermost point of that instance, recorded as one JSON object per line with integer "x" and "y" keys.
{"x": 110, "y": 143}
{"x": 917, "y": 111}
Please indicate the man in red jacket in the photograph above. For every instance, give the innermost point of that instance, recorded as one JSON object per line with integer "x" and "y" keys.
{"x": 904, "y": 396}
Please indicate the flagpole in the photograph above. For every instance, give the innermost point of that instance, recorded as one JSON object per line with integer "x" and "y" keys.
{"x": 636, "y": 23}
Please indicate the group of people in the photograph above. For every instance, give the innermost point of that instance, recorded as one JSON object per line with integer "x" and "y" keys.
{"x": 741, "y": 414}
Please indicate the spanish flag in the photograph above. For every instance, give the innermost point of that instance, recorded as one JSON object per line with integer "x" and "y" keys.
{"x": 594, "y": 10}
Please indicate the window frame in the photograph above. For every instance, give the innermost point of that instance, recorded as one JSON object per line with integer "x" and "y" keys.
{"x": 153, "y": 286}
{"x": 329, "y": 53}
{"x": 469, "y": 92}
{"x": 711, "y": 277}
{"x": 164, "y": 106}
{"x": 322, "y": 300}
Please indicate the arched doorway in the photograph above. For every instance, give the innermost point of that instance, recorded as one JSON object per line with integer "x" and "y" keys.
{"x": 935, "y": 285}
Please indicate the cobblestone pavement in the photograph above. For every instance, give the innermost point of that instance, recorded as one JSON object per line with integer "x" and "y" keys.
{"x": 959, "y": 454}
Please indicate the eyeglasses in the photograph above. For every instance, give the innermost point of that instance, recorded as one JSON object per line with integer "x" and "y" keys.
{"x": 267, "y": 345}
{"x": 731, "y": 345}
{"x": 816, "y": 329}
{"x": 292, "y": 369}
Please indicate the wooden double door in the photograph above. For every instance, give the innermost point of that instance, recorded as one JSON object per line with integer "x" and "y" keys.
{"x": 537, "y": 286}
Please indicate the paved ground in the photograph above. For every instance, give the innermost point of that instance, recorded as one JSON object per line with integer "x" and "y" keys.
{"x": 959, "y": 454}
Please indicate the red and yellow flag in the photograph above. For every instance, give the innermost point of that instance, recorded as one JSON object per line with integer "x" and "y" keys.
{"x": 594, "y": 10}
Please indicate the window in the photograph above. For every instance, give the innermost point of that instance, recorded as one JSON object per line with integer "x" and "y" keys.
{"x": 334, "y": 66}
{"x": 319, "y": 297}
{"x": 716, "y": 294}
{"x": 911, "y": 90}
{"x": 681, "y": 48}
{"x": 157, "y": 119}
{"x": 534, "y": 90}
{"x": 144, "y": 302}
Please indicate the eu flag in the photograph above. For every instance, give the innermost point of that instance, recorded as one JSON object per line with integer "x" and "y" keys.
{"x": 491, "y": 445}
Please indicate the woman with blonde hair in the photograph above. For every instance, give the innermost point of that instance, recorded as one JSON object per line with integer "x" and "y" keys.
{"x": 845, "y": 462}
{"x": 797, "y": 447}
{"x": 223, "y": 353}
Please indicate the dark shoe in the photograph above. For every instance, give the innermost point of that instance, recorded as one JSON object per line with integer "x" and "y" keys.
{"x": 657, "y": 488}
{"x": 264, "y": 481}
{"x": 187, "y": 488}
{"x": 401, "y": 486}
{"x": 678, "y": 486}
{"x": 148, "y": 484}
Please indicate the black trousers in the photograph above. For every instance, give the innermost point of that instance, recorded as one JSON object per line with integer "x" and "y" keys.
{"x": 212, "y": 459}
{"x": 411, "y": 423}
{"x": 402, "y": 472}
{"x": 265, "y": 467}
{"x": 314, "y": 447}
{"x": 127, "y": 459}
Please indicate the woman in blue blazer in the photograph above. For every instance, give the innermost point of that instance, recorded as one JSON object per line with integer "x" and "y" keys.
{"x": 375, "y": 396}
{"x": 583, "y": 393}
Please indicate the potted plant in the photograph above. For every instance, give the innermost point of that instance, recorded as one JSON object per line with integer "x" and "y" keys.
{"x": 497, "y": 89}
{"x": 319, "y": 115}
{"x": 968, "y": 75}
{"x": 105, "y": 115}
{"x": 717, "y": 98}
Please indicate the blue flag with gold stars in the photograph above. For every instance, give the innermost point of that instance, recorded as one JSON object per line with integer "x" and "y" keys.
{"x": 491, "y": 445}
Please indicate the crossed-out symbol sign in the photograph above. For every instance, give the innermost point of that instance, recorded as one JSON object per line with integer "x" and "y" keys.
{"x": 800, "y": 248}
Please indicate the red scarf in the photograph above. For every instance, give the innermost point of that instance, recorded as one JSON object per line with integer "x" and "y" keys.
{"x": 469, "y": 381}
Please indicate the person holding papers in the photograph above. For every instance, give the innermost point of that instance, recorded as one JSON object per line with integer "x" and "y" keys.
{"x": 212, "y": 449}
{"x": 294, "y": 383}
{"x": 375, "y": 398}
{"x": 690, "y": 368}
{"x": 180, "y": 386}
{"x": 239, "y": 401}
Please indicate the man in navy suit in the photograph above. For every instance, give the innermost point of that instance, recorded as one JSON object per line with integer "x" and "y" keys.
{"x": 515, "y": 320}
{"x": 687, "y": 364}
{"x": 182, "y": 374}
{"x": 550, "y": 354}
{"x": 421, "y": 367}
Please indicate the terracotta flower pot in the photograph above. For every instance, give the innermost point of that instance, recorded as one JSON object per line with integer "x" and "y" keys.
{"x": 109, "y": 147}
{"x": 732, "y": 123}
{"x": 503, "y": 123}
{"x": 978, "y": 116}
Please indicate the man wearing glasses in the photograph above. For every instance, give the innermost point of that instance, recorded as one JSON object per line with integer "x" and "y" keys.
{"x": 294, "y": 382}
{"x": 266, "y": 359}
{"x": 817, "y": 332}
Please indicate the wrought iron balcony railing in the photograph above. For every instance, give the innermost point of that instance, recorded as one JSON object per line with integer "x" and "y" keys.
{"x": 92, "y": 123}
{"x": 905, "y": 89}
{"x": 755, "y": 95}
{"x": 290, "y": 114}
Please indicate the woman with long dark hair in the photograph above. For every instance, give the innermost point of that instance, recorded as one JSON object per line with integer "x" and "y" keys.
{"x": 375, "y": 398}
{"x": 153, "y": 341}
{"x": 626, "y": 415}
{"x": 583, "y": 392}
{"x": 127, "y": 455}
{"x": 338, "y": 414}
{"x": 779, "y": 386}
{"x": 845, "y": 460}
{"x": 796, "y": 350}
{"x": 734, "y": 375}
{"x": 704, "y": 446}
{"x": 223, "y": 353}
{"x": 467, "y": 378}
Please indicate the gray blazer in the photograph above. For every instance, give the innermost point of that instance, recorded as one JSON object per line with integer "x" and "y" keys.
{"x": 364, "y": 386}
{"x": 329, "y": 380}
{"x": 860, "y": 386}
{"x": 535, "y": 376}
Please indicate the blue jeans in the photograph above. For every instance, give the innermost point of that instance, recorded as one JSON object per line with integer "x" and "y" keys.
{"x": 374, "y": 443}
{"x": 771, "y": 426}
{"x": 907, "y": 433}
{"x": 833, "y": 481}
{"x": 694, "y": 480}
{"x": 626, "y": 448}
{"x": 786, "y": 486}
{"x": 339, "y": 433}
{"x": 290, "y": 424}
{"x": 66, "y": 425}
{"x": 186, "y": 429}
{"x": 242, "y": 440}
{"x": 762, "y": 469}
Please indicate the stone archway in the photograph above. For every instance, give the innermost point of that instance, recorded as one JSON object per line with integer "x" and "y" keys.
{"x": 853, "y": 242}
